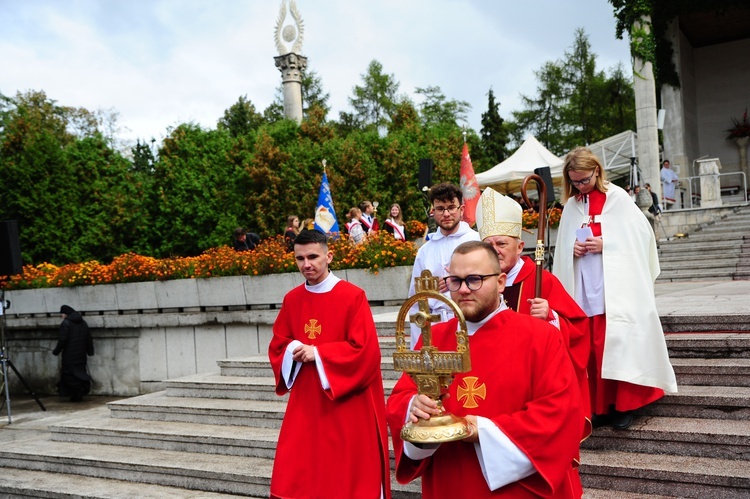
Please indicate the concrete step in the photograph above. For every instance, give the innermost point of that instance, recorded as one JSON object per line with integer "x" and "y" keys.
{"x": 695, "y": 275}
{"x": 592, "y": 493}
{"x": 216, "y": 386}
{"x": 679, "y": 476}
{"x": 713, "y": 372}
{"x": 717, "y": 256}
{"x": 706, "y": 241}
{"x": 209, "y": 473}
{"x": 159, "y": 407}
{"x": 707, "y": 247}
{"x": 691, "y": 265}
{"x": 18, "y": 483}
{"x": 388, "y": 345}
{"x": 738, "y": 230}
{"x": 170, "y": 435}
{"x": 259, "y": 366}
{"x": 205, "y": 472}
{"x": 730, "y": 345}
{"x": 703, "y": 402}
{"x": 687, "y": 322}
{"x": 720, "y": 439}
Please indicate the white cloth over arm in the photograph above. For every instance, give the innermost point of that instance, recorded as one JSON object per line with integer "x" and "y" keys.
{"x": 290, "y": 368}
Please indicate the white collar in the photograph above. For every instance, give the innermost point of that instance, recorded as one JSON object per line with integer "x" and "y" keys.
{"x": 472, "y": 327}
{"x": 463, "y": 228}
{"x": 325, "y": 285}
{"x": 514, "y": 272}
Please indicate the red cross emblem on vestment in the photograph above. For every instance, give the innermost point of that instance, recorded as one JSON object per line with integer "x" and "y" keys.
{"x": 470, "y": 391}
{"x": 312, "y": 329}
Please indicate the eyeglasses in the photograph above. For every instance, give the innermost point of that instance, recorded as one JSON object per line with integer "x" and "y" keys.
{"x": 583, "y": 181}
{"x": 450, "y": 209}
{"x": 473, "y": 282}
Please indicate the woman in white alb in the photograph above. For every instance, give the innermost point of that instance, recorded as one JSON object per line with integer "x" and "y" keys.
{"x": 607, "y": 261}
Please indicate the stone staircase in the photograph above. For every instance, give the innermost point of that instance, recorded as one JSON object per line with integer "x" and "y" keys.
{"x": 716, "y": 251}
{"x": 214, "y": 435}
{"x": 692, "y": 444}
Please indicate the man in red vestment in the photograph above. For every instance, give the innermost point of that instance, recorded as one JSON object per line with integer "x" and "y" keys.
{"x": 520, "y": 398}
{"x": 499, "y": 221}
{"x": 324, "y": 351}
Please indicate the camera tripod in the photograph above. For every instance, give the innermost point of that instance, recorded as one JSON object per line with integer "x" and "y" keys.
{"x": 6, "y": 362}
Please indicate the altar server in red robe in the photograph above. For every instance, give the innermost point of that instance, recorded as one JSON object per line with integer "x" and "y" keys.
{"x": 520, "y": 398}
{"x": 499, "y": 221}
{"x": 325, "y": 353}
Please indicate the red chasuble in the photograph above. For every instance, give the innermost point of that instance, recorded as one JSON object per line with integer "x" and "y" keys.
{"x": 333, "y": 443}
{"x": 521, "y": 379}
{"x": 574, "y": 325}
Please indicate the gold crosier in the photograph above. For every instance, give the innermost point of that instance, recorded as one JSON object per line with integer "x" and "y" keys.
{"x": 431, "y": 370}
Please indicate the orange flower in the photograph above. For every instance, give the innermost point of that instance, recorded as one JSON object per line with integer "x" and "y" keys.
{"x": 380, "y": 250}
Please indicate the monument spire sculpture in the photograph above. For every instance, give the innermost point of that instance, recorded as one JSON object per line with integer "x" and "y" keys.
{"x": 290, "y": 61}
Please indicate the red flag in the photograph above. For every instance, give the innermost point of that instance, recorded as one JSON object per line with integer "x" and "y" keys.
{"x": 469, "y": 187}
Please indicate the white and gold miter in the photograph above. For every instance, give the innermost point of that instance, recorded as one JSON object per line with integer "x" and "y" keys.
{"x": 498, "y": 215}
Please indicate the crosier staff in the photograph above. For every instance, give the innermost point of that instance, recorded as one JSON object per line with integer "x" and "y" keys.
{"x": 539, "y": 253}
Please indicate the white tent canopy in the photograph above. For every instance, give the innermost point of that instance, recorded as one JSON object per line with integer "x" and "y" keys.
{"x": 507, "y": 177}
{"x": 616, "y": 153}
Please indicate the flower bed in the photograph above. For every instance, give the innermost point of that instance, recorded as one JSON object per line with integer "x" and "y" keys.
{"x": 531, "y": 218}
{"x": 270, "y": 257}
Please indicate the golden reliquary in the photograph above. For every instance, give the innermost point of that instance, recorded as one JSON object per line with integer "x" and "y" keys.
{"x": 431, "y": 370}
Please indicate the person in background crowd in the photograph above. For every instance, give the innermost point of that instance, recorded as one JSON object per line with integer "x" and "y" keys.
{"x": 606, "y": 259}
{"x": 308, "y": 224}
{"x": 669, "y": 181}
{"x": 368, "y": 219}
{"x": 655, "y": 209}
{"x": 292, "y": 229}
{"x": 354, "y": 227}
{"x": 630, "y": 192}
{"x": 241, "y": 242}
{"x": 75, "y": 343}
{"x": 434, "y": 255}
{"x": 395, "y": 224}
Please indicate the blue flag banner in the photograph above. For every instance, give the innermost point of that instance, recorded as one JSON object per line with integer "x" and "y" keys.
{"x": 325, "y": 215}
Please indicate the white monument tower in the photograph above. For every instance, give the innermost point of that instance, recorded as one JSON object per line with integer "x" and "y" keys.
{"x": 290, "y": 61}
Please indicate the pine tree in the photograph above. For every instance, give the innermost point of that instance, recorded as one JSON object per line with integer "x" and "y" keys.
{"x": 494, "y": 132}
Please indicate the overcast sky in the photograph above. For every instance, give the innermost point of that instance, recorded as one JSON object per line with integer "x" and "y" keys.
{"x": 159, "y": 63}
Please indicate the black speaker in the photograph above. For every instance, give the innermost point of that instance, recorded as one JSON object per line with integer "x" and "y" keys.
{"x": 544, "y": 172}
{"x": 10, "y": 249}
{"x": 425, "y": 173}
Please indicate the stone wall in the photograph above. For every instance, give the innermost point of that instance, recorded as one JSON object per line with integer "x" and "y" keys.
{"x": 687, "y": 221}
{"x": 148, "y": 332}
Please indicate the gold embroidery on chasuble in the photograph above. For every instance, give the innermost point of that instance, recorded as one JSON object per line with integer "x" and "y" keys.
{"x": 312, "y": 328}
{"x": 493, "y": 227}
{"x": 469, "y": 391}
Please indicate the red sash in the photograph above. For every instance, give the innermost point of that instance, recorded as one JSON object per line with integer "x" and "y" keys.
{"x": 396, "y": 230}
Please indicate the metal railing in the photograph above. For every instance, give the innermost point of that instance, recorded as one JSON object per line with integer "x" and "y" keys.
{"x": 694, "y": 195}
